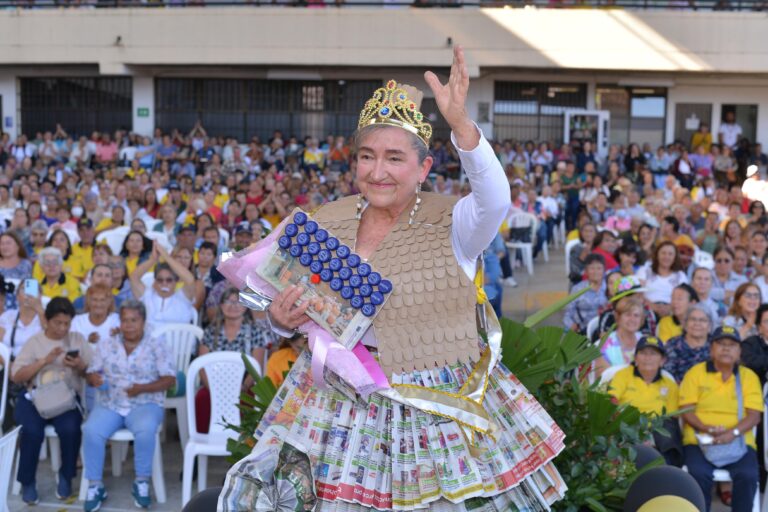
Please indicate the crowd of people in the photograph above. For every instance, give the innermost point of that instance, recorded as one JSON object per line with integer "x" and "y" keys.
{"x": 666, "y": 245}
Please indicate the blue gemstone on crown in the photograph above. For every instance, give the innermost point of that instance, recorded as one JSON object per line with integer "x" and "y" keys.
{"x": 316, "y": 267}
{"x": 324, "y": 255}
{"x": 345, "y": 273}
{"x": 291, "y": 230}
{"x": 356, "y": 302}
{"x": 335, "y": 264}
{"x": 355, "y": 281}
{"x": 305, "y": 259}
{"x": 326, "y": 274}
{"x": 384, "y": 111}
{"x": 364, "y": 269}
{"x": 333, "y": 244}
{"x": 374, "y": 278}
{"x": 336, "y": 284}
{"x": 385, "y": 286}
{"x": 300, "y": 218}
{"x": 347, "y": 292}
{"x": 368, "y": 310}
{"x": 303, "y": 239}
{"x": 366, "y": 290}
{"x": 321, "y": 235}
{"x": 311, "y": 227}
{"x": 377, "y": 298}
{"x": 296, "y": 251}
{"x": 313, "y": 248}
{"x": 353, "y": 260}
{"x": 284, "y": 242}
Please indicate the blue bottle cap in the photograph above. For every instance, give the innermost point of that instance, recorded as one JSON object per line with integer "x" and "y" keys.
{"x": 335, "y": 264}
{"x": 291, "y": 230}
{"x": 300, "y": 218}
{"x": 368, "y": 310}
{"x": 355, "y": 281}
{"x": 321, "y": 235}
{"x": 377, "y": 298}
{"x": 364, "y": 269}
{"x": 385, "y": 286}
{"x": 311, "y": 227}
{"x": 336, "y": 284}
{"x": 313, "y": 248}
{"x": 347, "y": 292}
{"x": 333, "y": 244}
{"x": 305, "y": 259}
{"x": 345, "y": 273}
{"x": 342, "y": 251}
{"x": 316, "y": 267}
{"x": 356, "y": 302}
{"x": 374, "y": 278}
{"x": 353, "y": 260}
{"x": 324, "y": 255}
{"x": 296, "y": 251}
{"x": 284, "y": 242}
{"x": 302, "y": 239}
{"x": 366, "y": 290}
{"x": 326, "y": 274}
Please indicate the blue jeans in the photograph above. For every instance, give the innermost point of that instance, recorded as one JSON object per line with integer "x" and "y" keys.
{"x": 143, "y": 422}
{"x": 32, "y": 435}
{"x": 744, "y": 473}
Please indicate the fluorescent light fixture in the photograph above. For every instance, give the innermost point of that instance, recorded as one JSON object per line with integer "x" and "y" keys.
{"x": 646, "y": 83}
{"x": 291, "y": 74}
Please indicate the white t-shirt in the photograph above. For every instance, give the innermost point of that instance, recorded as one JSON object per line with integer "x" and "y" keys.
{"x": 659, "y": 288}
{"x": 23, "y": 332}
{"x": 176, "y": 309}
{"x": 730, "y": 133}
{"x": 82, "y": 324}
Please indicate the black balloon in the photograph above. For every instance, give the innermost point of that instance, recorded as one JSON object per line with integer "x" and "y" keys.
{"x": 205, "y": 501}
{"x": 657, "y": 485}
{"x": 645, "y": 455}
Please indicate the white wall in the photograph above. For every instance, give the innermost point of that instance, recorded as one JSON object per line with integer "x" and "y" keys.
{"x": 9, "y": 96}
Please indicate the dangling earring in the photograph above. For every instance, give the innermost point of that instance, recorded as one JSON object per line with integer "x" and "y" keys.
{"x": 416, "y": 205}
{"x": 359, "y": 206}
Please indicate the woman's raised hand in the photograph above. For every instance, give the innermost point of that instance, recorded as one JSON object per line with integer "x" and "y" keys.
{"x": 451, "y": 99}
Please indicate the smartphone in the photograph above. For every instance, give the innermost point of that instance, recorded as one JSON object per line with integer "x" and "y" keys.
{"x": 31, "y": 288}
{"x": 73, "y": 353}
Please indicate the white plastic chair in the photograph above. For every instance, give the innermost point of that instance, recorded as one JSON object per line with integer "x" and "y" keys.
{"x": 5, "y": 354}
{"x": 225, "y": 372}
{"x": 224, "y": 235}
{"x": 524, "y": 220}
{"x": 609, "y": 372}
{"x": 568, "y": 246}
{"x": 114, "y": 238}
{"x": 182, "y": 340}
{"x": 120, "y": 440}
{"x": 592, "y": 326}
{"x": 7, "y": 451}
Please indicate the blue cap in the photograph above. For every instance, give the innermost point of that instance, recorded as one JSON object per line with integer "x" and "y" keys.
{"x": 726, "y": 332}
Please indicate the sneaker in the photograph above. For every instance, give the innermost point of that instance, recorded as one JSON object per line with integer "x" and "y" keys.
{"x": 29, "y": 494}
{"x": 510, "y": 281}
{"x": 64, "y": 488}
{"x": 141, "y": 494}
{"x": 95, "y": 497}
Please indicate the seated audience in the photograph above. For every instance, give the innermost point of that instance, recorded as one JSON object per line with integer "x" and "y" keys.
{"x": 743, "y": 312}
{"x": 692, "y": 346}
{"x": 579, "y": 312}
{"x": 619, "y": 347}
{"x": 671, "y": 325}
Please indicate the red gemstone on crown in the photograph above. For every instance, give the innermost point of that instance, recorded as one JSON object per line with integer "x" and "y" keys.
{"x": 315, "y": 278}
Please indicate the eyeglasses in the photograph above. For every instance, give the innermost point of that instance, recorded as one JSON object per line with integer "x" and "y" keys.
{"x": 165, "y": 280}
{"x": 723, "y": 260}
{"x": 751, "y": 295}
{"x": 698, "y": 320}
{"x": 231, "y": 303}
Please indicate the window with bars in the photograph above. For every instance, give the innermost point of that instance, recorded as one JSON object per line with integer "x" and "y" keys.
{"x": 80, "y": 104}
{"x": 534, "y": 110}
{"x": 243, "y": 108}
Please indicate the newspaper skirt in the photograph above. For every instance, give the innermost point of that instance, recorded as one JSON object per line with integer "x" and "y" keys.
{"x": 317, "y": 449}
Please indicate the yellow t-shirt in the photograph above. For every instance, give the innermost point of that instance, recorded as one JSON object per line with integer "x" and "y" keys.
{"x": 68, "y": 287}
{"x": 628, "y": 387}
{"x": 572, "y": 235}
{"x": 668, "y": 329}
{"x": 66, "y": 268}
{"x": 221, "y": 200}
{"x": 699, "y": 139}
{"x": 715, "y": 400}
{"x": 131, "y": 263}
{"x": 279, "y": 363}
{"x": 82, "y": 260}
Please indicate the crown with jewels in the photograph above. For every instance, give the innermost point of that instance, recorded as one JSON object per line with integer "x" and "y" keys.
{"x": 393, "y": 105}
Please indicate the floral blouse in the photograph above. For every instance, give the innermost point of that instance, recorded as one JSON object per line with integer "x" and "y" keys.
{"x": 249, "y": 337}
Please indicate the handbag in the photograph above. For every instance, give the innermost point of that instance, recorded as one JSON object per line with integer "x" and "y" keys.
{"x": 721, "y": 455}
{"x": 52, "y": 396}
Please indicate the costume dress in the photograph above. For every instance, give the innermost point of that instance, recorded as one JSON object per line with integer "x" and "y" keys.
{"x": 328, "y": 449}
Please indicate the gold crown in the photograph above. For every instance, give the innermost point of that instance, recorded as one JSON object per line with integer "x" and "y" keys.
{"x": 393, "y": 106}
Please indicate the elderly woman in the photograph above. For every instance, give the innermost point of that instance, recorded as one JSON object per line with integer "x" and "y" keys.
{"x": 133, "y": 370}
{"x": 702, "y": 281}
{"x": 13, "y": 263}
{"x": 743, "y": 312}
{"x": 672, "y": 325}
{"x": 692, "y": 347}
{"x": 54, "y": 351}
{"x": 165, "y": 303}
{"x": 586, "y": 307}
{"x": 55, "y": 282}
{"x": 727, "y": 402}
{"x": 725, "y": 279}
{"x": 619, "y": 346}
{"x": 390, "y": 215}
